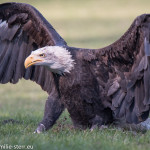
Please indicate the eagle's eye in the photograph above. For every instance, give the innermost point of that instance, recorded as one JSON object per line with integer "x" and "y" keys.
{"x": 42, "y": 55}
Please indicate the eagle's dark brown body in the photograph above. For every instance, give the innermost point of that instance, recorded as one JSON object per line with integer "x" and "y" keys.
{"x": 106, "y": 84}
{"x": 81, "y": 94}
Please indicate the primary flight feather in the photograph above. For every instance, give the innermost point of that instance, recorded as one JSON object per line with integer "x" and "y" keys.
{"x": 97, "y": 86}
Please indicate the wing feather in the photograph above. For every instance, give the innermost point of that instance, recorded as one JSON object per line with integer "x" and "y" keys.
{"x": 124, "y": 69}
{"x": 8, "y": 74}
{"x": 135, "y": 105}
{"x": 5, "y": 60}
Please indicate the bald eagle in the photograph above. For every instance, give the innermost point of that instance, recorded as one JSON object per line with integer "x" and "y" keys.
{"x": 97, "y": 86}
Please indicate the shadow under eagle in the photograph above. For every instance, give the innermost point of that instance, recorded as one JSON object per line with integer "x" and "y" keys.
{"x": 104, "y": 85}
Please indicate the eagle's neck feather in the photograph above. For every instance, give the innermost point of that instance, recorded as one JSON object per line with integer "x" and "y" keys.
{"x": 64, "y": 62}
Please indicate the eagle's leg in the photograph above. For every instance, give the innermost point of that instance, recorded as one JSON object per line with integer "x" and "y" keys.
{"x": 78, "y": 125}
{"x": 141, "y": 127}
{"x": 97, "y": 122}
{"x": 53, "y": 109}
{"x": 146, "y": 124}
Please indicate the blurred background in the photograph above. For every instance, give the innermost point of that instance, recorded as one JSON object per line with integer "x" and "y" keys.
{"x": 90, "y": 23}
{"x": 82, "y": 23}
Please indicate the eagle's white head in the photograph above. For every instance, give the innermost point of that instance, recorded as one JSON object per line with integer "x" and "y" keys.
{"x": 57, "y": 59}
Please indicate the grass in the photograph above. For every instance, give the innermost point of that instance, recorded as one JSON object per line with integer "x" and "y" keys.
{"x": 82, "y": 23}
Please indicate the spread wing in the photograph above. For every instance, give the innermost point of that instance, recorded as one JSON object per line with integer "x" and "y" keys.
{"x": 123, "y": 72}
{"x": 22, "y": 30}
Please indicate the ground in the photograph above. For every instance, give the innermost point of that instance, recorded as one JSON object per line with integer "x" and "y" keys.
{"x": 82, "y": 23}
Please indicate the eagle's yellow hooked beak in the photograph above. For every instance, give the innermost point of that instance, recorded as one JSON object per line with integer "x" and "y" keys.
{"x": 31, "y": 60}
